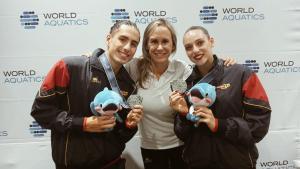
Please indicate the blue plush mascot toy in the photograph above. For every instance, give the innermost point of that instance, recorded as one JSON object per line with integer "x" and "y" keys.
{"x": 107, "y": 103}
{"x": 202, "y": 94}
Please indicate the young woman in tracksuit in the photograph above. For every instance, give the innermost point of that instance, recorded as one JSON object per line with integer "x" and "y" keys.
{"x": 228, "y": 130}
{"x": 79, "y": 139}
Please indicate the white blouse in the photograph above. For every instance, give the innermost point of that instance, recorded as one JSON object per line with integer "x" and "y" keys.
{"x": 157, "y": 125}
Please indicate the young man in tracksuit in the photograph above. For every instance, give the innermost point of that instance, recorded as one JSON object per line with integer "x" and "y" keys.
{"x": 79, "y": 139}
{"x": 228, "y": 130}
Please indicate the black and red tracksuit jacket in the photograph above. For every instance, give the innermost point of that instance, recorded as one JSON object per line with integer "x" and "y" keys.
{"x": 64, "y": 100}
{"x": 243, "y": 114}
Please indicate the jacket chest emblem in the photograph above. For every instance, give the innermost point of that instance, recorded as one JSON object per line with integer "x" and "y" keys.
{"x": 223, "y": 86}
{"x": 95, "y": 80}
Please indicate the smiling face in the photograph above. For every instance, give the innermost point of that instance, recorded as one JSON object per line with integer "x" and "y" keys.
{"x": 198, "y": 47}
{"x": 159, "y": 42}
{"x": 160, "y": 45}
{"x": 122, "y": 44}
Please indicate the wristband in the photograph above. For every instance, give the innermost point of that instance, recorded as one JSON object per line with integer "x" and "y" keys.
{"x": 128, "y": 125}
{"x": 183, "y": 114}
{"x": 84, "y": 123}
{"x": 216, "y": 125}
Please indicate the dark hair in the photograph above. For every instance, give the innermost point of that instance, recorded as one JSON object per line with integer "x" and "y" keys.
{"x": 144, "y": 64}
{"x": 118, "y": 24}
{"x": 198, "y": 28}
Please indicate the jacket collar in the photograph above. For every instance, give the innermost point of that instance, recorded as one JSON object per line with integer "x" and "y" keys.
{"x": 218, "y": 70}
{"x": 95, "y": 63}
{"x": 171, "y": 67}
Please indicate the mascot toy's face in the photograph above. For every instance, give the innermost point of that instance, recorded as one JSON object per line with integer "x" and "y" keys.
{"x": 106, "y": 102}
{"x": 202, "y": 94}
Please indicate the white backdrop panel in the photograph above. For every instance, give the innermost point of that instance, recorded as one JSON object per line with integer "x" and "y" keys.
{"x": 265, "y": 32}
{"x": 277, "y": 150}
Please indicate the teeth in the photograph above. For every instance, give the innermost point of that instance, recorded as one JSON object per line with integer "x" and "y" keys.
{"x": 124, "y": 54}
{"x": 198, "y": 57}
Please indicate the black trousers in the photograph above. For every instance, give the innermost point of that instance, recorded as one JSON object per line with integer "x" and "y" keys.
{"x": 118, "y": 164}
{"x": 163, "y": 159}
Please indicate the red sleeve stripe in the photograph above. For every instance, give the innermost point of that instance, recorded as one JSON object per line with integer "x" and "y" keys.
{"x": 58, "y": 76}
{"x": 253, "y": 89}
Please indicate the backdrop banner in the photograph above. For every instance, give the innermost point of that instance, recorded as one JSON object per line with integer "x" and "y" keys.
{"x": 263, "y": 34}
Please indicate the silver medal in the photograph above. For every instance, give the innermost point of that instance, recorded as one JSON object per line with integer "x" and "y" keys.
{"x": 178, "y": 85}
{"x": 134, "y": 100}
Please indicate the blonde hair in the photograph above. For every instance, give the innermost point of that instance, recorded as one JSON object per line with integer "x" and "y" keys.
{"x": 144, "y": 64}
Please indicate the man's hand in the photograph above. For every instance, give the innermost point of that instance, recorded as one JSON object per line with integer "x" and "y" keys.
{"x": 178, "y": 103}
{"x": 134, "y": 116}
{"x": 99, "y": 123}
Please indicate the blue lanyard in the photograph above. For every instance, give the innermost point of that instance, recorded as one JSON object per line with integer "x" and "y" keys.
{"x": 212, "y": 74}
{"x": 111, "y": 77}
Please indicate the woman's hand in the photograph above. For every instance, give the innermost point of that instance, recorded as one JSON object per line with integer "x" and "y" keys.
{"x": 99, "y": 123}
{"x": 134, "y": 116}
{"x": 178, "y": 103}
{"x": 206, "y": 116}
{"x": 229, "y": 61}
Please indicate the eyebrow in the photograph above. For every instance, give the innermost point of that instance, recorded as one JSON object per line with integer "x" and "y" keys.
{"x": 135, "y": 42}
{"x": 197, "y": 40}
{"x": 187, "y": 45}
